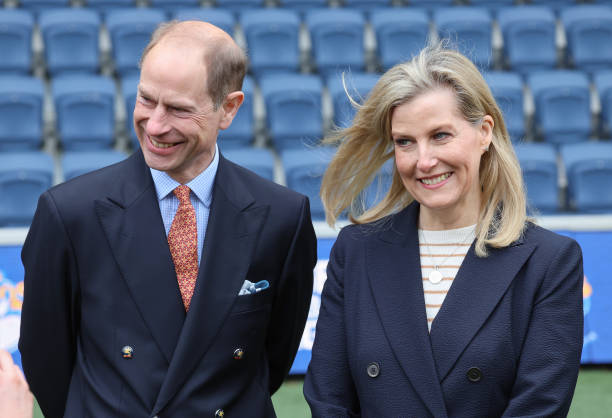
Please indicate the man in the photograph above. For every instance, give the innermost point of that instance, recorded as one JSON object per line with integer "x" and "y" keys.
{"x": 15, "y": 397}
{"x": 118, "y": 319}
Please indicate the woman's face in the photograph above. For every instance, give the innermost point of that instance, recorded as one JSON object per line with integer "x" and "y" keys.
{"x": 437, "y": 153}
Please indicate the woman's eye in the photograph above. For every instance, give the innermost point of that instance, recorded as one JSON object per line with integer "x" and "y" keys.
{"x": 402, "y": 142}
{"x": 441, "y": 135}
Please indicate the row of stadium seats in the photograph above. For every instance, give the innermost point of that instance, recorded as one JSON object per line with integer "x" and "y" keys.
{"x": 86, "y": 116}
{"x": 587, "y": 168}
{"x": 530, "y": 37}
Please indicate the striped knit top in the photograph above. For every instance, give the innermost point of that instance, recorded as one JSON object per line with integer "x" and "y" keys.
{"x": 446, "y": 250}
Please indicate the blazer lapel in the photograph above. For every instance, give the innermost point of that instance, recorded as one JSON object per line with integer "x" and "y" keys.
{"x": 132, "y": 222}
{"x": 232, "y": 232}
{"x": 476, "y": 290}
{"x": 394, "y": 272}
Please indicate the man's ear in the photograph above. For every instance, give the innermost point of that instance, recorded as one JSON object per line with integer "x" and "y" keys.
{"x": 230, "y": 108}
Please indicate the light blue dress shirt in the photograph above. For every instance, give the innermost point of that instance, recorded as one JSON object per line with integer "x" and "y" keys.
{"x": 200, "y": 196}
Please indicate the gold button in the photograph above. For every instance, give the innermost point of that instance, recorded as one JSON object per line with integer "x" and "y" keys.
{"x": 238, "y": 354}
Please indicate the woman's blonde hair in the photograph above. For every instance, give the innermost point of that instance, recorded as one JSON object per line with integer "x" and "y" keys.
{"x": 366, "y": 145}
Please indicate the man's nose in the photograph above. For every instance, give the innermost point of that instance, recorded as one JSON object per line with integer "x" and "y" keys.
{"x": 157, "y": 124}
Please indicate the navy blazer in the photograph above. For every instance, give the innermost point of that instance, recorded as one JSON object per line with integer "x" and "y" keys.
{"x": 99, "y": 277}
{"x": 506, "y": 342}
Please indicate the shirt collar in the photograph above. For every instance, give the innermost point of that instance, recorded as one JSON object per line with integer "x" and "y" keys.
{"x": 201, "y": 185}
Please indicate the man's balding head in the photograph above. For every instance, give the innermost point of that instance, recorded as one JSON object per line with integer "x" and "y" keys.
{"x": 224, "y": 60}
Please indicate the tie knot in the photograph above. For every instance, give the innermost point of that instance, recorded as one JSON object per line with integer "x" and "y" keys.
{"x": 182, "y": 193}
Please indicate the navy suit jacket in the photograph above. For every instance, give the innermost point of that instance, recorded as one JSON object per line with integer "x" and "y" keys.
{"x": 506, "y": 342}
{"x": 99, "y": 277}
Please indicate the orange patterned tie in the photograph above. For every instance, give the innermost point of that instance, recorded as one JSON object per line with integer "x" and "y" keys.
{"x": 183, "y": 242}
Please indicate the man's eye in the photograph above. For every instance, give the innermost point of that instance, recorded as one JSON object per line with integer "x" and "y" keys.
{"x": 144, "y": 99}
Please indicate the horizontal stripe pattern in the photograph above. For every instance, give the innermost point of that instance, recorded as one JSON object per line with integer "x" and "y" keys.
{"x": 446, "y": 250}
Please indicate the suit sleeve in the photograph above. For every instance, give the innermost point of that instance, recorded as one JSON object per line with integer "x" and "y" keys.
{"x": 292, "y": 300}
{"x": 48, "y": 321}
{"x": 328, "y": 386}
{"x": 550, "y": 358}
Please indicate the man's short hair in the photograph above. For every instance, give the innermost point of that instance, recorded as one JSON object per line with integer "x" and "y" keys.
{"x": 225, "y": 62}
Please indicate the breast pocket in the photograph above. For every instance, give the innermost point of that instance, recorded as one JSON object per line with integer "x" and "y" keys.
{"x": 253, "y": 302}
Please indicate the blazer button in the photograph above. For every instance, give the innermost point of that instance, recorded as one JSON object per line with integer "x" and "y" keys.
{"x": 474, "y": 374}
{"x": 373, "y": 369}
{"x": 219, "y": 413}
{"x": 238, "y": 354}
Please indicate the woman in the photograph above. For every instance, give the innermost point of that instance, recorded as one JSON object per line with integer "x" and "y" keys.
{"x": 443, "y": 300}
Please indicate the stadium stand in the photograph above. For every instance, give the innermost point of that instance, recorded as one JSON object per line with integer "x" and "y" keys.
{"x": 603, "y": 84}
{"x": 223, "y": 19}
{"x": 106, "y": 6}
{"x": 171, "y": 6}
{"x": 15, "y": 40}
{"x": 529, "y": 34}
{"x": 129, "y": 86}
{"x": 379, "y": 187}
{"x": 130, "y": 30}
{"x": 507, "y": 88}
{"x": 71, "y": 38}
{"x": 267, "y": 32}
{"x": 76, "y": 163}
{"x": 241, "y": 131}
{"x": 556, "y": 5}
{"x": 293, "y": 109}
{"x": 24, "y": 176}
{"x": 37, "y": 6}
{"x": 539, "y": 165}
{"x": 588, "y": 31}
{"x": 258, "y": 160}
{"x": 85, "y": 111}
{"x": 304, "y": 170}
{"x": 589, "y": 175}
{"x": 239, "y": 5}
{"x": 337, "y": 37}
{"x": 302, "y": 6}
{"x": 562, "y": 105}
{"x": 358, "y": 86}
{"x": 367, "y": 6}
{"x": 471, "y": 29}
{"x": 21, "y": 104}
{"x": 492, "y": 5}
{"x": 430, "y": 5}
{"x": 400, "y": 34}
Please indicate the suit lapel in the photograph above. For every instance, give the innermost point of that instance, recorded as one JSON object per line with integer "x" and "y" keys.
{"x": 232, "y": 232}
{"x": 135, "y": 232}
{"x": 476, "y": 290}
{"x": 394, "y": 272}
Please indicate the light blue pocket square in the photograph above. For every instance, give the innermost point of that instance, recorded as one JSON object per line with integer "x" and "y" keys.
{"x": 249, "y": 288}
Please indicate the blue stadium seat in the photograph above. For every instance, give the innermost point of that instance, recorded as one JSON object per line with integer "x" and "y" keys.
{"x": 38, "y": 6}
{"x": 492, "y": 5}
{"x": 223, "y": 19}
{"x": 129, "y": 90}
{"x": 106, "y": 6}
{"x": 367, "y": 6}
{"x": 507, "y": 88}
{"x": 130, "y": 30}
{"x": 302, "y": 6}
{"x": 258, "y": 160}
{"x": 358, "y": 86}
{"x": 562, "y": 105}
{"x": 556, "y": 5}
{"x": 23, "y": 177}
{"x": 430, "y": 5}
{"x": 337, "y": 39}
{"x": 529, "y": 37}
{"x": 71, "y": 38}
{"x": 293, "y": 109}
{"x": 377, "y": 190}
{"x": 240, "y": 133}
{"x": 603, "y": 84}
{"x": 539, "y": 165}
{"x": 16, "y": 40}
{"x": 21, "y": 103}
{"x": 272, "y": 40}
{"x": 588, "y": 31}
{"x": 589, "y": 176}
{"x": 239, "y": 5}
{"x": 75, "y": 163}
{"x": 304, "y": 170}
{"x": 470, "y": 28}
{"x": 400, "y": 34}
{"x": 171, "y": 6}
{"x": 85, "y": 111}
